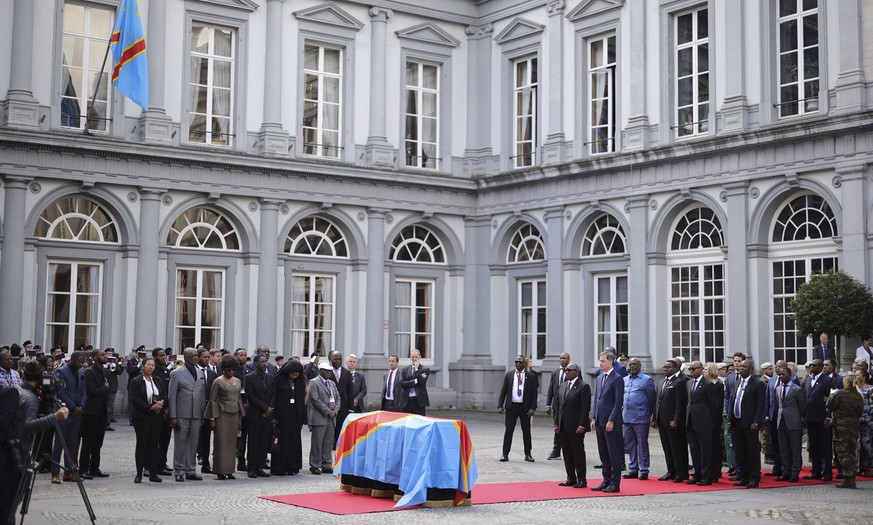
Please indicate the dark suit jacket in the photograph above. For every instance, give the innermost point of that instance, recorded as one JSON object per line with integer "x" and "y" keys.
{"x": 528, "y": 394}
{"x": 359, "y": 390}
{"x": 609, "y": 399}
{"x": 139, "y": 397}
{"x": 752, "y": 403}
{"x": 571, "y": 409}
{"x": 553, "y": 387}
{"x": 816, "y": 396}
{"x": 258, "y": 394}
{"x": 793, "y": 408}
{"x": 96, "y": 392}
{"x": 704, "y": 406}
{"x": 210, "y": 378}
{"x": 395, "y": 389}
{"x": 72, "y": 395}
{"x": 344, "y": 386}
{"x": 408, "y": 378}
{"x": 817, "y": 352}
{"x": 672, "y": 401}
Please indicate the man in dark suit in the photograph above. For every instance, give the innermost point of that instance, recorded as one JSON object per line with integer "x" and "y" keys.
{"x": 166, "y": 431}
{"x": 204, "y": 363}
{"x": 608, "y": 423}
{"x": 359, "y": 384}
{"x": 518, "y": 400}
{"x": 572, "y": 405}
{"x": 819, "y": 437}
{"x": 259, "y": 416}
{"x": 747, "y": 416}
{"x": 391, "y": 385}
{"x": 790, "y": 410}
{"x": 669, "y": 419}
{"x": 71, "y": 392}
{"x": 413, "y": 383}
{"x": 343, "y": 379}
{"x": 557, "y": 379}
{"x": 9, "y": 473}
{"x": 730, "y": 381}
{"x": 704, "y": 418}
{"x": 823, "y": 350}
{"x": 94, "y": 416}
{"x": 771, "y": 408}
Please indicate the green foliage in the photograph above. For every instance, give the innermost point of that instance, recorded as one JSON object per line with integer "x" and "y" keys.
{"x": 833, "y": 302}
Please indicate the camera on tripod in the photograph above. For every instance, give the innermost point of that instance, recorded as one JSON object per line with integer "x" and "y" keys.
{"x": 47, "y": 392}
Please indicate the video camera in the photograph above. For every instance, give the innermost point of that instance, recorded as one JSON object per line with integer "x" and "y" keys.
{"x": 47, "y": 391}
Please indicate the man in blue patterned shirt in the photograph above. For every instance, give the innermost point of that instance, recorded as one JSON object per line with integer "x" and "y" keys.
{"x": 639, "y": 403}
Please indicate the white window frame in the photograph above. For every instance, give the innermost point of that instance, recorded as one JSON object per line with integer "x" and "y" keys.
{"x": 312, "y": 307}
{"x": 418, "y": 158}
{"x": 699, "y": 124}
{"x": 610, "y": 309}
{"x": 596, "y": 236}
{"x": 73, "y": 293}
{"x": 806, "y": 102}
{"x": 605, "y": 70}
{"x": 702, "y": 350}
{"x": 520, "y": 87}
{"x": 528, "y": 337}
{"x": 525, "y": 245}
{"x": 208, "y": 134}
{"x": 414, "y": 331}
{"x": 321, "y": 149}
{"x": 199, "y": 301}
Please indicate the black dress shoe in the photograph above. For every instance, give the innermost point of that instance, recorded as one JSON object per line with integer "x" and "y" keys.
{"x": 504, "y": 458}
{"x": 242, "y": 467}
{"x": 110, "y": 429}
{"x": 327, "y": 470}
{"x": 692, "y": 481}
{"x": 230, "y": 476}
{"x": 812, "y": 476}
{"x": 580, "y": 485}
{"x": 165, "y": 472}
{"x": 85, "y": 475}
{"x": 733, "y": 477}
{"x": 679, "y": 479}
{"x": 206, "y": 470}
{"x": 827, "y": 478}
{"x": 611, "y": 489}
{"x": 252, "y": 474}
{"x": 601, "y": 486}
{"x": 555, "y": 455}
{"x": 793, "y": 479}
{"x": 528, "y": 458}
{"x": 155, "y": 479}
{"x": 783, "y": 477}
{"x": 193, "y": 477}
{"x": 567, "y": 483}
{"x": 644, "y": 476}
{"x": 99, "y": 474}
{"x": 180, "y": 478}
{"x": 704, "y": 483}
{"x": 295, "y": 472}
{"x": 222, "y": 477}
{"x": 138, "y": 478}
{"x": 315, "y": 470}
{"x": 741, "y": 483}
{"x": 631, "y": 475}
{"x": 262, "y": 473}
{"x": 752, "y": 485}
{"x": 667, "y": 477}
{"x": 598, "y": 466}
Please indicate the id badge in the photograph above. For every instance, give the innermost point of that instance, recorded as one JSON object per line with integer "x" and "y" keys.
{"x": 242, "y": 390}
{"x": 332, "y": 400}
{"x": 293, "y": 400}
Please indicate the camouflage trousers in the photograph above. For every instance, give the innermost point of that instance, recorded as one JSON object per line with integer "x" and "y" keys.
{"x": 846, "y": 450}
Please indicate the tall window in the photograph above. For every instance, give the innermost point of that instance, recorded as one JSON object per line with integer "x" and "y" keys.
{"x": 803, "y": 246}
{"x": 73, "y": 304}
{"x": 317, "y": 237}
{"x": 526, "y": 245}
{"x": 798, "y": 57}
{"x": 413, "y": 310}
{"x": 605, "y": 236}
{"x": 322, "y": 100}
{"x": 77, "y": 219}
{"x": 86, "y": 35}
{"x": 697, "y": 290}
{"x": 199, "y": 307}
{"x": 422, "y": 115}
{"x": 601, "y": 90}
{"x": 417, "y": 243}
{"x": 532, "y": 319}
{"x": 692, "y": 72}
{"x": 312, "y": 314}
{"x": 612, "y": 313}
{"x": 524, "y": 105}
{"x": 210, "y": 110}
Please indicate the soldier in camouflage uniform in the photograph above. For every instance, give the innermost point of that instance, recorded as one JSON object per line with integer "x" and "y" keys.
{"x": 846, "y": 405}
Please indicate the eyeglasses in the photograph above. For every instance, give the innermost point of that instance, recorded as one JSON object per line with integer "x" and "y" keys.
{"x": 519, "y": 362}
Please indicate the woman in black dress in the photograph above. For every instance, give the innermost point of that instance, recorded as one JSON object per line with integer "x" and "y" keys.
{"x": 289, "y": 411}
{"x": 147, "y": 394}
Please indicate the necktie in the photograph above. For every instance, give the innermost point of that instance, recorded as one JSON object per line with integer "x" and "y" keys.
{"x": 336, "y": 372}
{"x": 694, "y": 386}
{"x": 520, "y": 380}
{"x": 332, "y": 399}
{"x": 737, "y": 411}
{"x": 563, "y": 376}
{"x": 784, "y": 391}
{"x": 390, "y": 394}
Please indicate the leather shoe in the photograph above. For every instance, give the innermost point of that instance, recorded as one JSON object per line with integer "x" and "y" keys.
{"x": 69, "y": 477}
{"x": 252, "y": 474}
{"x": 315, "y": 470}
{"x": 180, "y": 478}
{"x": 206, "y": 470}
{"x": 138, "y": 478}
{"x": 262, "y": 473}
{"x": 528, "y": 458}
{"x": 601, "y": 486}
{"x": 56, "y": 480}
{"x": 242, "y": 466}
{"x": 666, "y": 477}
{"x": 793, "y": 479}
{"x": 631, "y": 475}
{"x": 704, "y": 483}
{"x": 165, "y": 472}
{"x": 599, "y": 466}
{"x": 774, "y": 473}
{"x": 504, "y": 458}
{"x": 812, "y": 476}
{"x": 327, "y": 470}
{"x": 567, "y": 483}
{"x": 110, "y": 429}
{"x": 193, "y": 477}
{"x": 99, "y": 474}
{"x": 222, "y": 477}
{"x": 155, "y": 479}
{"x": 752, "y": 485}
{"x": 692, "y": 481}
{"x": 679, "y": 479}
{"x": 611, "y": 488}
{"x": 783, "y": 477}
{"x": 644, "y": 476}
{"x": 741, "y": 483}
{"x": 733, "y": 477}
{"x": 85, "y": 475}
{"x": 827, "y": 478}
{"x": 580, "y": 485}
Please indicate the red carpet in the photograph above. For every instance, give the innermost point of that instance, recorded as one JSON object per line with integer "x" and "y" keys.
{"x": 342, "y": 503}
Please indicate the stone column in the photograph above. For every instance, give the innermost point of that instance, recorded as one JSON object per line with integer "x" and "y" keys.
{"x": 638, "y": 276}
{"x": 737, "y": 268}
{"x": 636, "y": 130}
{"x": 553, "y": 147}
{"x": 477, "y": 156}
{"x": 145, "y": 328}
{"x": 853, "y": 185}
{"x": 554, "y": 217}
{"x": 734, "y": 111}
{"x": 21, "y": 108}
{"x": 272, "y": 139}
{"x": 378, "y": 152}
{"x": 155, "y": 124}
{"x": 12, "y": 260}
{"x": 374, "y": 323}
{"x": 268, "y": 266}
{"x": 850, "y": 87}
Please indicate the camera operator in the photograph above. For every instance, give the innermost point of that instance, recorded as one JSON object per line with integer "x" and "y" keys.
{"x": 8, "y": 465}
{"x": 114, "y": 370}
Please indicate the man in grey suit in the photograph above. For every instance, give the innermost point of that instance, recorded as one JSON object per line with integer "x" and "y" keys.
{"x": 324, "y": 405}
{"x": 791, "y": 402}
{"x": 186, "y": 398}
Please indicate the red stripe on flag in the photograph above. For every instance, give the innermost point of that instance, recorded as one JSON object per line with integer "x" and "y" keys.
{"x": 129, "y": 54}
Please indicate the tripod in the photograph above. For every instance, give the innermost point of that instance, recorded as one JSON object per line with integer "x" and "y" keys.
{"x": 25, "y": 486}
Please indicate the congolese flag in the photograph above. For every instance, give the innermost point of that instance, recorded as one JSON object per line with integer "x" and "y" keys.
{"x": 413, "y": 452}
{"x": 130, "y": 71}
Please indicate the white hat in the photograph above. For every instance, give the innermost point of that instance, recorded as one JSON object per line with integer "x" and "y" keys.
{"x": 324, "y": 366}
{"x": 768, "y": 364}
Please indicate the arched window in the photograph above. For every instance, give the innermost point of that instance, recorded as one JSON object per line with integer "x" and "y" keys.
{"x": 604, "y": 237}
{"x": 316, "y": 237}
{"x": 77, "y": 219}
{"x": 697, "y": 288}
{"x": 202, "y": 228}
{"x": 805, "y": 218}
{"x": 526, "y": 245}
{"x": 419, "y": 244}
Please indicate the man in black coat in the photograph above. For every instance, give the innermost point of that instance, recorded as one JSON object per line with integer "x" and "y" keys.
{"x": 824, "y": 350}
{"x": 746, "y": 418}
{"x": 669, "y": 418}
{"x": 571, "y": 406}
{"x": 558, "y": 378}
{"x": 343, "y": 379}
{"x": 413, "y": 386}
{"x": 704, "y": 418}
{"x": 259, "y": 416}
{"x": 817, "y": 388}
{"x": 166, "y": 432}
{"x": 94, "y": 416}
{"x": 518, "y": 400}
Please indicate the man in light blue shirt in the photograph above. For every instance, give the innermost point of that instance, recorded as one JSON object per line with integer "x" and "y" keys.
{"x": 639, "y": 404}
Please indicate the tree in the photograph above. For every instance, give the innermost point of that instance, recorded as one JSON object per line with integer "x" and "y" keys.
{"x": 833, "y": 302}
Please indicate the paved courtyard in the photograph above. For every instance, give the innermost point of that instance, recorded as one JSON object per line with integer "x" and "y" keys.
{"x": 117, "y": 500}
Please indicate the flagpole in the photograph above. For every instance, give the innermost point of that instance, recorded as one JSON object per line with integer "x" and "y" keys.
{"x": 97, "y": 87}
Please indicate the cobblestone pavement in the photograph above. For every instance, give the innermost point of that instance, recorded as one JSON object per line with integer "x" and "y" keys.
{"x": 117, "y": 500}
